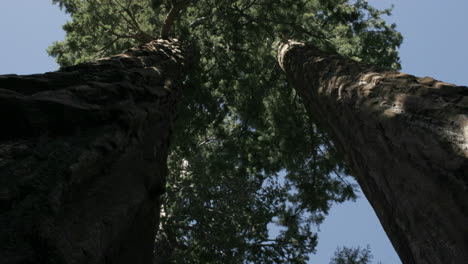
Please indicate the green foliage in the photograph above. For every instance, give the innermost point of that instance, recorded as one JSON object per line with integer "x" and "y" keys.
{"x": 103, "y": 27}
{"x": 357, "y": 255}
{"x": 156, "y": 4}
{"x": 240, "y": 127}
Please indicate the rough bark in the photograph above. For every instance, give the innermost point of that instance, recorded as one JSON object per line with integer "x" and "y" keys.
{"x": 404, "y": 138}
{"x": 83, "y": 157}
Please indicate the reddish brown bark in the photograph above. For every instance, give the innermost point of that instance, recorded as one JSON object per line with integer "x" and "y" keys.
{"x": 83, "y": 157}
{"x": 405, "y": 139}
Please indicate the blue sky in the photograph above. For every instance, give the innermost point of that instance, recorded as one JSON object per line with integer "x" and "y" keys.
{"x": 435, "y": 44}
{"x": 27, "y": 28}
{"x": 435, "y": 37}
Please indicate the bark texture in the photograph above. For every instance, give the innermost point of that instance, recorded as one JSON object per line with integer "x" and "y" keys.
{"x": 405, "y": 139}
{"x": 83, "y": 157}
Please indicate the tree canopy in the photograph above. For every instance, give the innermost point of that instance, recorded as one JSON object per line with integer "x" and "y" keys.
{"x": 244, "y": 155}
{"x": 357, "y": 255}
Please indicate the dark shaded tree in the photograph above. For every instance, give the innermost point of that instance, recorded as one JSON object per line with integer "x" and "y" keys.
{"x": 405, "y": 139}
{"x": 83, "y": 157}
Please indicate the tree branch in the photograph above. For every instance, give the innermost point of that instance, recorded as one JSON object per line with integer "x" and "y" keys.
{"x": 171, "y": 17}
{"x": 140, "y": 36}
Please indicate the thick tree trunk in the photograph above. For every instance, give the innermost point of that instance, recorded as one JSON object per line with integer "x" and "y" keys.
{"x": 83, "y": 157}
{"x": 405, "y": 139}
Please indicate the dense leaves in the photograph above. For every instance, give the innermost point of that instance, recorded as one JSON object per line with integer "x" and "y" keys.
{"x": 357, "y": 255}
{"x": 245, "y": 156}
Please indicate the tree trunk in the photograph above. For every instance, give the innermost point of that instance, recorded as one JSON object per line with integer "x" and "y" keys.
{"x": 83, "y": 157}
{"x": 404, "y": 138}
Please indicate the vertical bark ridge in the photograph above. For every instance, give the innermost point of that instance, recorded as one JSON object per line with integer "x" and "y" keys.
{"x": 405, "y": 139}
{"x": 83, "y": 157}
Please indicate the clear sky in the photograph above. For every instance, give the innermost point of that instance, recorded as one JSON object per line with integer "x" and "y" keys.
{"x": 435, "y": 44}
{"x": 27, "y": 28}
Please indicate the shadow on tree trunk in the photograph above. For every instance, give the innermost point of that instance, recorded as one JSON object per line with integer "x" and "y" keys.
{"x": 83, "y": 157}
{"x": 406, "y": 141}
